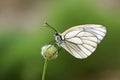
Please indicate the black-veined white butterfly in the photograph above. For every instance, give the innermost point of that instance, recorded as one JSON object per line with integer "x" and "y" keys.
{"x": 80, "y": 41}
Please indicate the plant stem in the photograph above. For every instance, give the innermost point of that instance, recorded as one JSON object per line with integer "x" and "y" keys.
{"x": 44, "y": 69}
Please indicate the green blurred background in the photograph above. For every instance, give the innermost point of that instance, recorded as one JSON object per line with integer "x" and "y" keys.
{"x": 22, "y": 35}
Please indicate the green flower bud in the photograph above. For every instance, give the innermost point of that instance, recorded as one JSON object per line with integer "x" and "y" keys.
{"x": 49, "y": 52}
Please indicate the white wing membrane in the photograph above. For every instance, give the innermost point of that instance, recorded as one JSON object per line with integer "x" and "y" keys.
{"x": 81, "y": 41}
{"x": 98, "y": 30}
{"x": 74, "y": 50}
{"x": 75, "y": 40}
{"x": 71, "y": 34}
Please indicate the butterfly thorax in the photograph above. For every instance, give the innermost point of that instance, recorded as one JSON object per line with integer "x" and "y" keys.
{"x": 59, "y": 38}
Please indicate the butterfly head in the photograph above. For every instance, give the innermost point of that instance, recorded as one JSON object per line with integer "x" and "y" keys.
{"x": 58, "y": 38}
{"x": 57, "y": 34}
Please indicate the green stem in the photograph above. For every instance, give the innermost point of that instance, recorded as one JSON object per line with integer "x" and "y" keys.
{"x": 44, "y": 70}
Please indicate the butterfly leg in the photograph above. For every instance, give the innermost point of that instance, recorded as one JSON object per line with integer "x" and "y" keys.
{"x": 59, "y": 49}
{"x": 52, "y": 42}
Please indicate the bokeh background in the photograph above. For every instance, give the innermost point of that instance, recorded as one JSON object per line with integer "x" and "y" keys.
{"x": 22, "y": 35}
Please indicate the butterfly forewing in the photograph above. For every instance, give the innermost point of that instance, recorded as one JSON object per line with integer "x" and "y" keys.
{"x": 81, "y": 41}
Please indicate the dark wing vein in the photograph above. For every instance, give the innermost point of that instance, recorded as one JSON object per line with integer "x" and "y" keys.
{"x": 67, "y": 47}
{"x": 80, "y": 44}
{"x": 75, "y": 35}
{"x": 72, "y": 42}
{"x": 85, "y": 39}
{"x": 96, "y": 29}
{"x": 77, "y": 46}
{"x": 86, "y": 48}
{"x": 94, "y": 33}
{"x": 74, "y": 48}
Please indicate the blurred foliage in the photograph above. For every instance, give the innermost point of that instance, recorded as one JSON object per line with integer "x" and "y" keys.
{"x": 20, "y": 57}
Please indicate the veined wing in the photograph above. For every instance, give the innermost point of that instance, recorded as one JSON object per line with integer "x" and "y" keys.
{"x": 97, "y": 30}
{"x": 81, "y": 41}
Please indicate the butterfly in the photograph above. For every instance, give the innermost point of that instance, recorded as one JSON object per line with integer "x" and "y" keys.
{"x": 80, "y": 41}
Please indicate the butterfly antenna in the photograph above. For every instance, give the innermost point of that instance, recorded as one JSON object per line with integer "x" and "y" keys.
{"x": 46, "y": 24}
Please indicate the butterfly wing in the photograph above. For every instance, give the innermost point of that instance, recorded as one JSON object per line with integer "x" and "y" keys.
{"x": 81, "y": 41}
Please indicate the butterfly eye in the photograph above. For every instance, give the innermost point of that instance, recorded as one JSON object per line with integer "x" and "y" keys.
{"x": 56, "y": 34}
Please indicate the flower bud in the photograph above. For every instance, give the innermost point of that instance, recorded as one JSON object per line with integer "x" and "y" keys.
{"x": 49, "y": 52}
